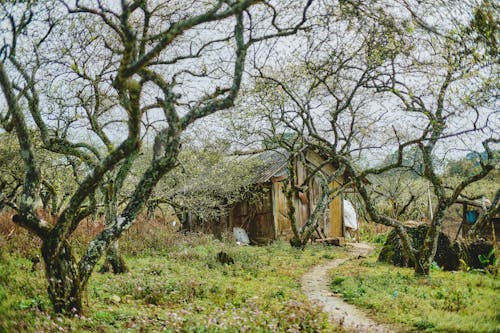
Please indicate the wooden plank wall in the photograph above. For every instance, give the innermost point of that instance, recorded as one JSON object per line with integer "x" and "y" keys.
{"x": 263, "y": 224}
{"x": 336, "y": 217}
{"x": 283, "y": 227}
{"x": 332, "y": 224}
{"x": 256, "y": 217}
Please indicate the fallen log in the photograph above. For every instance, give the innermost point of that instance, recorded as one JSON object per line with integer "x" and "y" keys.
{"x": 337, "y": 241}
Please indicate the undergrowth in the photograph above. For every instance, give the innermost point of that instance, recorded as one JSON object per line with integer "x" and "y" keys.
{"x": 175, "y": 284}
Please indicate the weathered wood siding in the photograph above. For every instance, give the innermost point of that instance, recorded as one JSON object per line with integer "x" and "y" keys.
{"x": 336, "y": 223}
{"x": 263, "y": 226}
{"x": 255, "y": 217}
{"x": 333, "y": 217}
{"x": 332, "y": 224}
{"x": 283, "y": 227}
{"x": 315, "y": 193}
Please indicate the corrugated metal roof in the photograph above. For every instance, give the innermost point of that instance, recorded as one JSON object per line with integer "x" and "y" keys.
{"x": 268, "y": 164}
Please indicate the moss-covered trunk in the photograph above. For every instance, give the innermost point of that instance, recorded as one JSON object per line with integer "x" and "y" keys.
{"x": 114, "y": 262}
{"x": 289, "y": 192}
{"x": 315, "y": 218}
{"x": 428, "y": 249}
{"x": 64, "y": 286}
{"x": 296, "y": 240}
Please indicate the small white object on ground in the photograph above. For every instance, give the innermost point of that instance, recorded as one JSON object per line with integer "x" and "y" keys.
{"x": 241, "y": 237}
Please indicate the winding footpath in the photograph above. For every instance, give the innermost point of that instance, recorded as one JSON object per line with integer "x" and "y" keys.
{"x": 316, "y": 285}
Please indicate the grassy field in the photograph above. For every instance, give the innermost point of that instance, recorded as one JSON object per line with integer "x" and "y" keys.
{"x": 447, "y": 302}
{"x": 176, "y": 286}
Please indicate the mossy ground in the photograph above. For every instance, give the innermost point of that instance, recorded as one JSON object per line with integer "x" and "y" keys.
{"x": 180, "y": 288}
{"x": 446, "y": 302}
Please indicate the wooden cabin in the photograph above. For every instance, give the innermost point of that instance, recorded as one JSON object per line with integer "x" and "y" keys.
{"x": 264, "y": 214}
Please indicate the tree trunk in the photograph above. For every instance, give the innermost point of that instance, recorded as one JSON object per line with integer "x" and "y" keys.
{"x": 422, "y": 266}
{"x": 315, "y": 218}
{"x": 186, "y": 221}
{"x": 428, "y": 249}
{"x": 61, "y": 270}
{"x": 296, "y": 242}
{"x": 114, "y": 262}
{"x": 426, "y": 254}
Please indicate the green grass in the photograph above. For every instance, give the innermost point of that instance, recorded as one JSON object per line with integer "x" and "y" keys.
{"x": 181, "y": 288}
{"x": 447, "y": 302}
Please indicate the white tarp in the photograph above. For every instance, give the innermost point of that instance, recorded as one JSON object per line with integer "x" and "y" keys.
{"x": 241, "y": 237}
{"x": 350, "y": 220}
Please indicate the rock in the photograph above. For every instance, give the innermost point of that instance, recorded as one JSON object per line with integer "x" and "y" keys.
{"x": 470, "y": 251}
{"x": 392, "y": 251}
{"x": 448, "y": 253}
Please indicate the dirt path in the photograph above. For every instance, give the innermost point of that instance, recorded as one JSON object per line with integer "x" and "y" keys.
{"x": 315, "y": 285}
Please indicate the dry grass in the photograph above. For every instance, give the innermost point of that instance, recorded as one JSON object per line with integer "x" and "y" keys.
{"x": 145, "y": 235}
{"x": 16, "y": 240}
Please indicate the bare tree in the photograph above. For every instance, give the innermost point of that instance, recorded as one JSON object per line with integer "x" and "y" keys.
{"x": 142, "y": 66}
{"x": 388, "y": 82}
